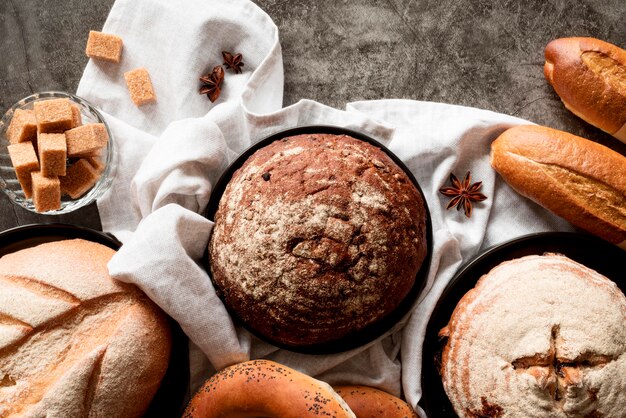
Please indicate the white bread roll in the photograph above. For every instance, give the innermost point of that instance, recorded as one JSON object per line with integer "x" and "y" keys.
{"x": 577, "y": 179}
{"x": 74, "y": 342}
{"x": 590, "y": 77}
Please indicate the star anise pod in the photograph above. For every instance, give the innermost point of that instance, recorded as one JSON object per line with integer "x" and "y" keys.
{"x": 211, "y": 83}
{"x": 233, "y": 61}
{"x": 463, "y": 194}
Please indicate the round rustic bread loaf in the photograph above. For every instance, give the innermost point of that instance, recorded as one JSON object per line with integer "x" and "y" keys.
{"x": 74, "y": 342}
{"x": 539, "y": 336}
{"x": 316, "y": 237}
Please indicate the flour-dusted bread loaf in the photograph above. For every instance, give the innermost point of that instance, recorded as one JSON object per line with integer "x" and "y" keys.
{"x": 73, "y": 342}
{"x": 316, "y": 237}
{"x": 539, "y": 336}
{"x": 589, "y": 75}
{"x": 580, "y": 180}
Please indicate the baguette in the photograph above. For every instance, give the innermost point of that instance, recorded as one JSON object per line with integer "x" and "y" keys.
{"x": 589, "y": 75}
{"x": 577, "y": 179}
{"x": 74, "y": 342}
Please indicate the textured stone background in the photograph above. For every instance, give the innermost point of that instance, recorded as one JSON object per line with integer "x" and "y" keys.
{"x": 480, "y": 53}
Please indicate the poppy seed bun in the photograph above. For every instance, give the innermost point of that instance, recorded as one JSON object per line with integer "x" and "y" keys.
{"x": 263, "y": 388}
{"x": 316, "y": 237}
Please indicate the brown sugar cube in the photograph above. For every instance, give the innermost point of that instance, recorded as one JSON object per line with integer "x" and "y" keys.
{"x": 140, "y": 86}
{"x": 52, "y": 154}
{"x": 96, "y": 163}
{"x": 24, "y": 161}
{"x": 104, "y": 46}
{"x": 53, "y": 116}
{"x": 46, "y": 192}
{"x": 77, "y": 118}
{"x": 23, "y": 126}
{"x": 86, "y": 140}
{"x": 95, "y": 154}
{"x": 27, "y": 184}
{"x": 80, "y": 177}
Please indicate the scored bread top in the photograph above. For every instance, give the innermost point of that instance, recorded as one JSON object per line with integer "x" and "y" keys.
{"x": 589, "y": 75}
{"x": 577, "y": 179}
{"x": 74, "y": 342}
{"x": 538, "y": 336}
{"x": 317, "y": 236}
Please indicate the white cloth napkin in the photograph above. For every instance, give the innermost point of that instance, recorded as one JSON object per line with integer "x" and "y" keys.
{"x": 172, "y": 152}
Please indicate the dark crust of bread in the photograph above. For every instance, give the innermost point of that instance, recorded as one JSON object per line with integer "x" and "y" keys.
{"x": 316, "y": 237}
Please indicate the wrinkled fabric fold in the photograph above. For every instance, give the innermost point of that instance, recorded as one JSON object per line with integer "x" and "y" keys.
{"x": 172, "y": 152}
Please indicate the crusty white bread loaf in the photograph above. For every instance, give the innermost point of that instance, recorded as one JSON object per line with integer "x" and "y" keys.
{"x": 74, "y": 342}
{"x": 577, "y": 179}
{"x": 539, "y": 336}
{"x": 590, "y": 77}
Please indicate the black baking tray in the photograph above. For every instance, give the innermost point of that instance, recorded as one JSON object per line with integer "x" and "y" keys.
{"x": 588, "y": 250}
{"x": 372, "y": 331}
{"x": 169, "y": 399}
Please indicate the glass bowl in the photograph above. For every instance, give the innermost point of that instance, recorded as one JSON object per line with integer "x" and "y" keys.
{"x": 8, "y": 179}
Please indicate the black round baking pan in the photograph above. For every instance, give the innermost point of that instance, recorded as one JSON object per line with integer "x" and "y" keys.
{"x": 169, "y": 399}
{"x": 588, "y": 250}
{"x": 372, "y": 331}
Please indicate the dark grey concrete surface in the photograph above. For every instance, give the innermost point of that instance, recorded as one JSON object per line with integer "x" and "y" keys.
{"x": 480, "y": 53}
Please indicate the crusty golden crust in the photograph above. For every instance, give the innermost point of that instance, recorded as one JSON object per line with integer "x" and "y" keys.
{"x": 590, "y": 77}
{"x": 317, "y": 236}
{"x": 577, "y": 179}
{"x": 263, "y": 388}
{"x": 74, "y": 342}
{"x": 368, "y": 402}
